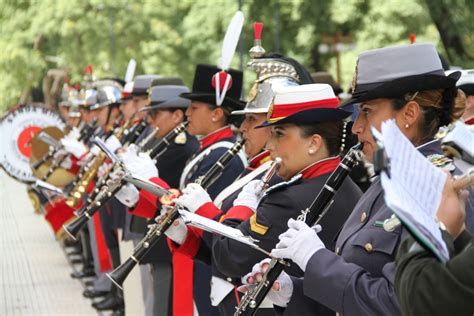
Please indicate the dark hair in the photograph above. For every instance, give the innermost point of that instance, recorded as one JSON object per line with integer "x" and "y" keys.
{"x": 335, "y": 135}
{"x": 439, "y": 107}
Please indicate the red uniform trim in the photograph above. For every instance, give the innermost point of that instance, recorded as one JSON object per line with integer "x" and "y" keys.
{"x": 209, "y": 210}
{"x": 146, "y": 206}
{"x": 240, "y": 212}
{"x": 105, "y": 263}
{"x": 183, "y": 266}
{"x": 214, "y": 137}
{"x": 321, "y": 167}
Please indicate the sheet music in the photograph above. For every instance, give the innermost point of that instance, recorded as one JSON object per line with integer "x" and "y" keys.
{"x": 461, "y": 136}
{"x": 414, "y": 189}
{"x": 218, "y": 228}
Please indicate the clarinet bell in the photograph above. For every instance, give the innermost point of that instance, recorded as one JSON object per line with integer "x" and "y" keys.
{"x": 73, "y": 228}
{"x": 119, "y": 274}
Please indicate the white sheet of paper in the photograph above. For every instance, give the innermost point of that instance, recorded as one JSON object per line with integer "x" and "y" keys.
{"x": 414, "y": 189}
{"x": 461, "y": 136}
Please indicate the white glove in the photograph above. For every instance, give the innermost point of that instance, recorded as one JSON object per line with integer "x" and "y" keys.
{"x": 298, "y": 243}
{"x": 73, "y": 134}
{"x": 73, "y": 146}
{"x": 141, "y": 166}
{"x": 282, "y": 288}
{"x": 249, "y": 196}
{"x": 95, "y": 150}
{"x": 178, "y": 231}
{"x": 103, "y": 169}
{"x": 112, "y": 143}
{"x": 127, "y": 195}
{"x": 193, "y": 197}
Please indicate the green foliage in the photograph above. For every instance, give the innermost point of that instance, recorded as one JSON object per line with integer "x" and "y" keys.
{"x": 170, "y": 37}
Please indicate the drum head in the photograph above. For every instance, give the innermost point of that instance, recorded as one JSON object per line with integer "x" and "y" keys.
{"x": 17, "y": 130}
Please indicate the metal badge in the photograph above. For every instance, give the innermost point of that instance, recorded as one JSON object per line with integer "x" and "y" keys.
{"x": 180, "y": 139}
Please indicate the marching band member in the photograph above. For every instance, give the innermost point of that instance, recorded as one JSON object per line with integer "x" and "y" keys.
{"x": 405, "y": 83}
{"x": 165, "y": 111}
{"x": 196, "y": 199}
{"x": 307, "y": 134}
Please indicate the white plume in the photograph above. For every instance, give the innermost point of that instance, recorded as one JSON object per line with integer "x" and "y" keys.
{"x": 132, "y": 64}
{"x": 231, "y": 39}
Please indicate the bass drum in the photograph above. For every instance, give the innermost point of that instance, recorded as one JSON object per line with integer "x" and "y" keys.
{"x": 18, "y": 128}
{"x": 60, "y": 177}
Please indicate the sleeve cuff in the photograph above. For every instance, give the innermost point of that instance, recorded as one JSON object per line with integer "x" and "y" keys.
{"x": 209, "y": 210}
{"x": 239, "y": 212}
{"x": 147, "y": 202}
{"x": 190, "y": 247}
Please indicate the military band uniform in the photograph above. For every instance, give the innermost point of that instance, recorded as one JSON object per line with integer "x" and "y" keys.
{"x": 425, "y": 286}
{"x": 358, "y": 277}
{"x": 281, "y": 202}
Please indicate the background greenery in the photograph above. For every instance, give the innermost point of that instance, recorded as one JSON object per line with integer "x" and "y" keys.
{"x": 170, "y": 37}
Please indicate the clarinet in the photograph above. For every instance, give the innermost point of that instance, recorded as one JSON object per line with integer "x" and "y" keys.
{"x": 57, "y": 162}
{"x": 157, "y": 230}
{"x": 85, "y": 130}
{"x": 159, "y": 148}
{"x": 312, "y": 216}
{"x": 87, "y": 211}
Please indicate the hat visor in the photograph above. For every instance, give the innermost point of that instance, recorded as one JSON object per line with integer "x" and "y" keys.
{"x": 246, "y": 111}
{"x": 211, "y": 99}
{"x": 175, "y": 103}
{"x": 310, "y": 116}
{"x": 398, "y": 87}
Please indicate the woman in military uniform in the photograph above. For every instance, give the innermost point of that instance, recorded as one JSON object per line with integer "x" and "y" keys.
{"x": 306, "y": 133}
{"x": 407, "y": 84}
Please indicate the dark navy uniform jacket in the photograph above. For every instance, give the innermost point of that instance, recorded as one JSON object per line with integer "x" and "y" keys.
{"x": 358, "y": 278}
{"x": 280, "y": 203}
{"x": 202, "y": 272}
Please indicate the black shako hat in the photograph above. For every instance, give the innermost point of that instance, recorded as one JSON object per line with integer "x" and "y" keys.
{"x": 204, "y": 91}
{"x": 391, "y": 72}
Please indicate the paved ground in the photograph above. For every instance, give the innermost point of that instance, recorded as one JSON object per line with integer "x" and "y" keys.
{"x": 34, "y": 271}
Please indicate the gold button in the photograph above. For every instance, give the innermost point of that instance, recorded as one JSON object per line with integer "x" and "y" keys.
{"x": 368, "y": 247}
{"x": 363, "y": 217}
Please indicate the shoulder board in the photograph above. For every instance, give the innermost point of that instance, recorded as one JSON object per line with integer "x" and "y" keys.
{"x": 256, "y": 227}
{"x": 284, "y": 184}
{"x": 442, "y": 162}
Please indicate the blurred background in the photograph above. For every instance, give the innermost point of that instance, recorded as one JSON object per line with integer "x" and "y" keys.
{"x": 45, "y": 43}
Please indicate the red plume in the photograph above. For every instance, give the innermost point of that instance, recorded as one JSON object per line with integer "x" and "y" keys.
{"x": 412, "y": 38}
{"x": 257, "y": 30}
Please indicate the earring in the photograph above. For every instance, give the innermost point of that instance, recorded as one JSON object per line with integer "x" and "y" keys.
{"x": 311, "y": 151}
{"x": 406, "y": 125}
{"x": 213, "y": 119}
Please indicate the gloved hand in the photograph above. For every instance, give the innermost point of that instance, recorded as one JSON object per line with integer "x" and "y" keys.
{"x": 128, "y": 195}
{"x": 282, "y": 288}
{"x": 74, "y": 147}
{"x": 249, "y": 196}
{"x": 103, "y": 169}
{"x": 95, "y": 150}
{"x": 298, "y": 243}
{"x": 112, "y": 143}
{"x": 73, "y": 134}
{"x": 193, "y": 197}
{"x": 140, "y": 165}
